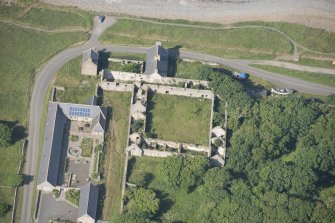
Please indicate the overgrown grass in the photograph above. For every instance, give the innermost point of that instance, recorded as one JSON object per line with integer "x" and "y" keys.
{"x": 73, "y": 195}
{"x": 86, "y": 145}
{"x": 10, "y": 12}
{"x": 49, "y": 18}
{"x": 114, "y": 155}
{"x": 312, "y": 38}
{"x": 22, "y": 52}
{"x": 175, "y": 206}
{"x": 129, "y": 56}
{"x": 7, "y": 196}
{"x": 325, "y": 79}
{"x": 9, "y": 165}
{"x": 235, "y": 43}
{"x": 78, "y": 87}
{"x": 46, "y": 17}
{"x": 178, "y": 118}
{"x": 131, "y": 67}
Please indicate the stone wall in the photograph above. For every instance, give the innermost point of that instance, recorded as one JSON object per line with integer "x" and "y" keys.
{"x": 157, "y": 153}
{"x": 188, "y": 92}
{"x": 153, "y": 79}
{"x": 113, "y": 86}
{"x": 177, "y": 145}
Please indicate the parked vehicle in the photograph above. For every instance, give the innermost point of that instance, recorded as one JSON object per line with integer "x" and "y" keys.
{"x": 101, "y": 18}
{"x": 282, "y": 91}
{"x": 241, "y": 76}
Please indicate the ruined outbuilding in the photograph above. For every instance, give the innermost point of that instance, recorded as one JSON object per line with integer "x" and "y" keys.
{"x": 90, "y": 62}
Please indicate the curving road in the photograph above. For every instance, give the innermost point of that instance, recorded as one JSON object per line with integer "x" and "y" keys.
{"x": 46, "y": 75}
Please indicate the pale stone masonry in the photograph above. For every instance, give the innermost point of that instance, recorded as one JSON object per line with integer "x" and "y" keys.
{"x": 90, "y": 62}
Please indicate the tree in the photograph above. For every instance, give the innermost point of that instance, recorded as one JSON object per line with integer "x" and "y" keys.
{"x": 4, "y": 208}
{"x": 5, "y": 135}
{"x": 132, "y": 218}
{"x": 142, "y": 201}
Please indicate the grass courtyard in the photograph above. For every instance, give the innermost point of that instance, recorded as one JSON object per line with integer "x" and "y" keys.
{"x": 113, "y": 158}
{"x": 178, "y": 118}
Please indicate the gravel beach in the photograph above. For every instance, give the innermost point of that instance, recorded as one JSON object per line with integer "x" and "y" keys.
{"x": 315, "y": 13}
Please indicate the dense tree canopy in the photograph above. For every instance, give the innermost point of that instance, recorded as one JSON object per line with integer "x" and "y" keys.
{"x": 280, "y": 163}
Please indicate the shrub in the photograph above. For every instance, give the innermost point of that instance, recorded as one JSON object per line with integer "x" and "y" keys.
{"x": 4, "y": 208}
{"x": 55, "y": 193}
{"x": 73, "y": 195}
{"x": 74, "y": 138}
{"x": 5, "y": 135}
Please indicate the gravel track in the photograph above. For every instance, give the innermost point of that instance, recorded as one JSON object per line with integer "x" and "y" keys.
{"x": 315, "y": 13}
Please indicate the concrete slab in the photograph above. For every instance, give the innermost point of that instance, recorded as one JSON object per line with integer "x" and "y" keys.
{"x": 52, "y": 209}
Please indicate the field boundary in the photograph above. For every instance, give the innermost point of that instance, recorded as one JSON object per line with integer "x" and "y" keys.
{"x": 23, "y": 148}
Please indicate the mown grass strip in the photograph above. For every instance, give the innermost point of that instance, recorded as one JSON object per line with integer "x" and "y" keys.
{"x": 325, "y": 79}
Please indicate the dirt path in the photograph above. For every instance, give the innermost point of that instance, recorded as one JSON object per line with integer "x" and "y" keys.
{"x": 44, "y": 30}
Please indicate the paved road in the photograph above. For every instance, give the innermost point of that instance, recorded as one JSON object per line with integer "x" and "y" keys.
{"x": 44, "y": 78}
{"x": 46, "y": 75}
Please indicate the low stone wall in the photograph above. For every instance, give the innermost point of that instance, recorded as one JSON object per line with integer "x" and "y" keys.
{"x": 177, "y": 145}
{"x": 157, "y": 153}
{"x": 188, "y": 92}
{"x": 113, "y": 86}
{"x": 153, "y": 79}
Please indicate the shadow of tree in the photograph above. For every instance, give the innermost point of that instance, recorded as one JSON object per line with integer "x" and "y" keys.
{"x": 19, "y": 132}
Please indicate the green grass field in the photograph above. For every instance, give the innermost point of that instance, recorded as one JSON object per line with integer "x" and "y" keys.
{"x": 312, "y": 38}
{"x": 22, "y": 52}
{"x": 46, "y": 17}
{"x": 325, "y": 79}
{"x": 50, "y": 18}
{"x": 316, "y": 63}
{"x": 175, "y": 205}
{"x": 235, "y": 43}
{"x": 78, "y": 87}
{"x": 9, "y": 164}
{"x": 114, "y": 155}
{"x": 178, "y": 118}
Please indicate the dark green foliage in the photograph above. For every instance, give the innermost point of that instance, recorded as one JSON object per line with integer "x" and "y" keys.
{"x": 132, "y": 218}
{"x": 142, "y": 201}
{"x": 5, "y": 135}
{"x": 280, "y": 164}
{"x": 73, "y": 196}
{"x": 136, "y": 125}
{"x": 184, "y": 173}
{"x": 4, "y": 208}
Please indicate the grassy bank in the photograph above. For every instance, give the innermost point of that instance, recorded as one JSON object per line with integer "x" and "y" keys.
{"x": 316, "y": 63}
{"x": 235, "y": 43}
{"x": 114, "y": 154}
{"x": 44, "y": 16}
{"x": 22, "y": 52}
{"x": 312, "y": 38}
{"x": 325, "y": 79}
{"x": 172, "y": 118}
